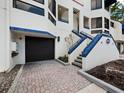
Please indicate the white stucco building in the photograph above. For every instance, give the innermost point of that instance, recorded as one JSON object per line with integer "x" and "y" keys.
{"x": 35, "y": 30}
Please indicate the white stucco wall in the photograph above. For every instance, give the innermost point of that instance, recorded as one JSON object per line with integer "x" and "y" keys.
{"x": 20, "y": 58}
{"x": 2, "y": 40}
{"x": 77, "y": 51}
{"x": 20, "y": 18}
{"x": 101, "y": 54}
{"x": 5, "y": 36}
{"x": 15, "y": 17}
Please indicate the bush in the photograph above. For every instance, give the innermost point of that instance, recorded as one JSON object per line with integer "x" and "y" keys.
{"x": 64, "y": 59}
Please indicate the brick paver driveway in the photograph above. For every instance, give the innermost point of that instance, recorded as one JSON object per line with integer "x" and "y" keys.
{"x": 50, "y": 77}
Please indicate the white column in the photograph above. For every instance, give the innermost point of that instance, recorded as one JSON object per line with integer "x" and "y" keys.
{"x": 7, "y": 35}
{"x": 122, "y": 48}
{"x": 2, "y": 35}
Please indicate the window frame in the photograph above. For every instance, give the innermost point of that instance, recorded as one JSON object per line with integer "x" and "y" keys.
{"x": 53, "y": 11}
{"x": 50, "y": 17}
{"x": 106, "y": 23}
{"x": 59, "y": 19}
{"x": 96, "y": 20}
{"x": 112, "y": 24}
{"x": 15, "y": 6}
{"x": 86, "y": 18}
{"x": 106, "y": 31}
{"x": 96, "y": 5}
{"x": 122, "y": 31}
{"x": 96, "y": 31}
{"x": 40, "y": 2}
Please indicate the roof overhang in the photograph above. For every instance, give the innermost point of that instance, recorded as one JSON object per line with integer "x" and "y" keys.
{"x": 31, "y": 32}
{"x": 109, "y": 2}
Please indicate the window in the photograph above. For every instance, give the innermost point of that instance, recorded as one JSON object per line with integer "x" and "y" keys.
{"x": 96, "y": 31}
{"x": 51, "y": 19}
{"x": 96, "y": 4}
{"x": 28, "y": 7}
{"x": 123, "y": 31}
{"x": 76, "y": 19}
{"x": 112, "y": 24}
{"x": 40, "y": 1}
{"x": 96, "y": 22}
{"x": 86, "y": 22}
{"x": 106, "y": 23}
{"x": 107, "y": 32}
{"x": 107, "y": 8}
{"x": 63, "y": 14}
{"x": 52, "y": 6}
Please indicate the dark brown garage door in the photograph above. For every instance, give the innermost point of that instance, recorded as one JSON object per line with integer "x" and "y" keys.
{"x": 38, "y": 49}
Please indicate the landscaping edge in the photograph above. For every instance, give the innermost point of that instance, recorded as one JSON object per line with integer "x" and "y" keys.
{"x": 63, "y": 63}
{"x": 108, "y": 87}
{"x": 11, "y": 89}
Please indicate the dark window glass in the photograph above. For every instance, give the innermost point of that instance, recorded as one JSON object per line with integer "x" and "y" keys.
{"x": 122, "y": 31}
{"x": 51, "y": 19}
{"x": 107, "y": 8}
{"x": 40, "y": 1}
{"x": 63, "y": 14}
{"x": 107, "y": 32}
{"x": 52, "y": 6}
{"x": 86, "y": 22}
{"x": 96, "y": 22}
{"x": 28, "y": 7}
{"x": 96, "y": 31}
{"x": 106, "y": 23}
{"x": 112, "y": 24}
{"x": 96, "y": 4}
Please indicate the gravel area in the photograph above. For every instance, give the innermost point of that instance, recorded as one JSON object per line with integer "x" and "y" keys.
{"x": 112, "y": 72}
{"x": 6, "y": 79}
{"x": 50, "y": 77}
{"x": 1, "y": 78}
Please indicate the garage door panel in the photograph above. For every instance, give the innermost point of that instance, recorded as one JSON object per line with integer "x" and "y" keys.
{"x": 38, "y": 49}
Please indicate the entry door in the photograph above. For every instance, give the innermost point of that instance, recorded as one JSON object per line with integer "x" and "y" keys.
{"x": 76, "y": 24}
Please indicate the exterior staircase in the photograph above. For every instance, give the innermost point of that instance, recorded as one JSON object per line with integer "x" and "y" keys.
{"x": 80, "y": 51}
{"x": 78, "y": 61}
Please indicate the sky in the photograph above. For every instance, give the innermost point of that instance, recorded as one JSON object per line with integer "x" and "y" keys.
{"x": 122, "y": 1}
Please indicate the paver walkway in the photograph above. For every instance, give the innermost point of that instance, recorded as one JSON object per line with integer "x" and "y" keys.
{"x": 50, "y": 77}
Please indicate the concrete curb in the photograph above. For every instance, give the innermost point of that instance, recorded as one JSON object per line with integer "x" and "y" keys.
{"x": 11, "y": 89}
{"x": 10, "y": 69}
{"x": 101, "y": 83}
{"x": 63, "y": 63}
{"x": 90, "y": 89}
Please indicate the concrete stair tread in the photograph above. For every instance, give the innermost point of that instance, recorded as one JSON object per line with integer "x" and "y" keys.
{"x": 77, "y": 64}
{"x": 92, "y": 88}
{"x": 78, "y": 60}
{"x": 79, "y": 57}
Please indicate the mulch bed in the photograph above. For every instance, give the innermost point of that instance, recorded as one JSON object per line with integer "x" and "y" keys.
{"x": 112, "y": 73}
{"x": 7, "y": 79}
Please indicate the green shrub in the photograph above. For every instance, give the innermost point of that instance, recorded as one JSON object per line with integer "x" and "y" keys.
{"x": 64, "y": 59}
